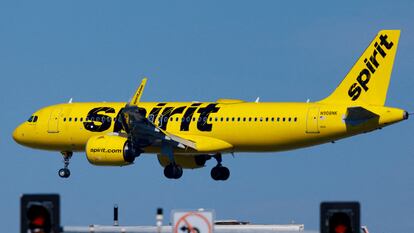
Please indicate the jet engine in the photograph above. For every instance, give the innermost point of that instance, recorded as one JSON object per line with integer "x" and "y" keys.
{"x": 185, "y": 161}
{"x": 109, "y": 150}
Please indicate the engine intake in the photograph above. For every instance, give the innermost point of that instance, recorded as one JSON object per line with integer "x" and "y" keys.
{"x": 109, "y": 150}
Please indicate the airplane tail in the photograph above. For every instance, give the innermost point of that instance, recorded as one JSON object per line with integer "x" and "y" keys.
{"x": 367, "y": 81}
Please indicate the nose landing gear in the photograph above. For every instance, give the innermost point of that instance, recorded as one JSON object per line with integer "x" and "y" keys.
{"x": 65, "y": 172}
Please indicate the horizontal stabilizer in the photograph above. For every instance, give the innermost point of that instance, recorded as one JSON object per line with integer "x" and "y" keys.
{"x": 358, "y": 115}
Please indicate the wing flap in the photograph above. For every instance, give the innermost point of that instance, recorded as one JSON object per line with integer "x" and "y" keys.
{"x": 208, "y": 144}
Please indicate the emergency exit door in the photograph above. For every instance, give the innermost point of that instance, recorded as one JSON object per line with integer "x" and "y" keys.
{"x": 54, "y": 121}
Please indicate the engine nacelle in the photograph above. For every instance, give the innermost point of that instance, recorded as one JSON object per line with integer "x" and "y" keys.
{"x": 109, "y": 150}
{"x": 185, "y": 161}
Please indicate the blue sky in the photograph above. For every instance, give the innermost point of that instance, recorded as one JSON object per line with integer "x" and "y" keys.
{"x": 281, "y": 51}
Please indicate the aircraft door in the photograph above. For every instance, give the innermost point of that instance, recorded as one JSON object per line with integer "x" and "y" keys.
{"x": 53, "y": 126}
{"x": 312, "y": 120}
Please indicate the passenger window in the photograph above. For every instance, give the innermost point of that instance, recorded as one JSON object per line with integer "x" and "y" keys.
{"x": 215, "y": 119}
{"x": 255, "y": 119}
{"x": 278, "y": 119}
{"x": 289, "y": 119}
{"x": 261, "y": 118}
{"x": 221, "y": 119}
{"x": 244, "y": 118}
{"x": 227, "y": 119}
{"x": 76, "y": 119}
{"x": 295, "y": 119}
{"x": 210, "y": 119}
{"x": 70, "y": 118}
{"x": 250, "y": 119}
{"x": 272, "y": 119}
{"x": 238, "y": 118}
{"x": 64, "y": 119}
{"x": 267, "y": 118}
{"x": 232, "y": 119}
{"x": 284, "y": 119}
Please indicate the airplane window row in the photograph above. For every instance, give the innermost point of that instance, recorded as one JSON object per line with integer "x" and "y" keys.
{"x": 75, "y": 119}
{"x": 227, "y": 119}
{"x": 32, "y": 119}
{"x": 188, "y": 119}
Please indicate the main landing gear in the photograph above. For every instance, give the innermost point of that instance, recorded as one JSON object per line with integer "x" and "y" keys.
{"x": 219, "y": 172}
{"x": 173, "y": 171}
{"x": 65, "y": 172}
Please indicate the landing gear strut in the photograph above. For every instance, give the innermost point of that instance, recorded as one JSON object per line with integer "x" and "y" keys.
{"x": 219, "y": 172}
{"x": 65, "y": 172}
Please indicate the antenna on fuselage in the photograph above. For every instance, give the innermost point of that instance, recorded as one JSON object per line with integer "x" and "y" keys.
{"x": 70, "y": 100}
{"x": 257, "y": 99}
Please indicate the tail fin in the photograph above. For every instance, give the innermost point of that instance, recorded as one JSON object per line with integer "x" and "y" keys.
{"x": 368, "y": 80}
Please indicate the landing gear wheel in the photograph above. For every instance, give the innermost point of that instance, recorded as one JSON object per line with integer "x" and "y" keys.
{"x": 173, "y": 171}
{"x": 64, "y": 173}
{"x": 225, "y": 173}
{"x": 220, "y": 173}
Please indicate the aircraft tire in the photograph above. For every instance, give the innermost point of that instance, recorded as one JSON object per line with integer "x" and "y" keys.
{"x": 178, "y": 172}
{"x": 225, "y": 173}
{"x": 173, "y": 171}
{"x": 220, "y": 173}
{"x": 215, "y": 173}
{"x": 64, "y": 173}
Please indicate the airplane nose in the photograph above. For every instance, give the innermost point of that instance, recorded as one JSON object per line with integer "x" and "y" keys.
{"x": 18, "y": 134}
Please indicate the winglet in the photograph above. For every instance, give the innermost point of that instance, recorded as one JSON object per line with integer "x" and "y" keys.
{"x": 137, "y": 96}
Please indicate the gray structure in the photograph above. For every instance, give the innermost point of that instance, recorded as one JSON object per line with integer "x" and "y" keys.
{"x": 243, "y": 228}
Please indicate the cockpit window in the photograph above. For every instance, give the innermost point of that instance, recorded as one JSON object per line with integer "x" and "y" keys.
{"x": 32, "y": 119}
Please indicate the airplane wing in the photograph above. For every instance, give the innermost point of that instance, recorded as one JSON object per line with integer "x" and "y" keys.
{"x": 142, "y": 132}
{"x": 358, "y": 115}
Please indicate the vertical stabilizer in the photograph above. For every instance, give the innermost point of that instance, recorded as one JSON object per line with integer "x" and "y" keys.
{"x": 367, "y": 82}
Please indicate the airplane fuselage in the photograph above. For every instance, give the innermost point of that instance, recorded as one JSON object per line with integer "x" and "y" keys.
{"x": 234, "y": 127}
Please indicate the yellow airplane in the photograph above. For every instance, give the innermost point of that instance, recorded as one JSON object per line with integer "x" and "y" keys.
{"x": 186, "y": 135}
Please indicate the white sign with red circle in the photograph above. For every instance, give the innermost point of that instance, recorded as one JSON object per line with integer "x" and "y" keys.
{"x": 193, "y": 222}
